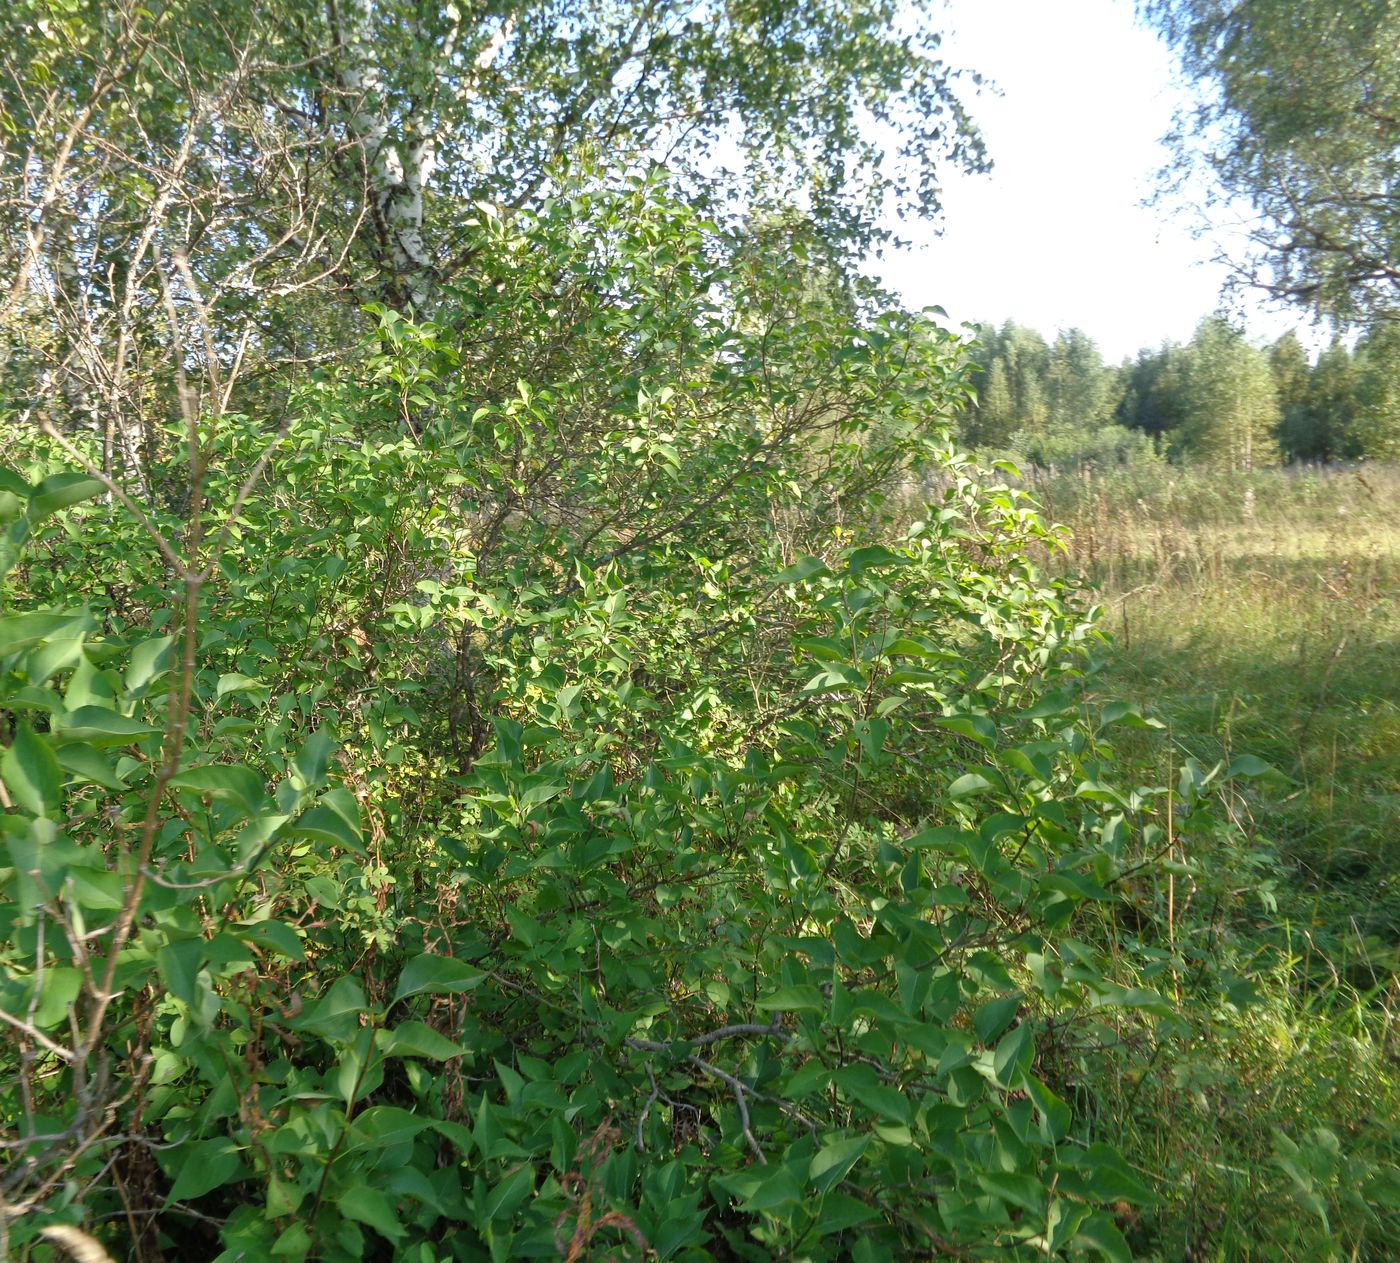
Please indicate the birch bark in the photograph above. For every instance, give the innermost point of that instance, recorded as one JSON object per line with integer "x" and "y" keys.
{"x": 401, "y": 159}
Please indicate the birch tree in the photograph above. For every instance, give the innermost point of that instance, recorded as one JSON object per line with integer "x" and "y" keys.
{"x": 300, "y": 161}
{"x": 162, "y": 226}
{"x": 842, "y": 107}
{"x": 1299, "y": 118}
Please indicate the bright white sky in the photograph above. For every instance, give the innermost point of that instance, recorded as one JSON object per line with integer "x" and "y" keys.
{"x": 1056, "y": 236}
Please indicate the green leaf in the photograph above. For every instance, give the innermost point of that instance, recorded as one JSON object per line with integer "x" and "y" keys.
{"x": 824, "y": 648}
{"x": 102, "y": 727}
{"x": 801, "y": 570}
{"x": 1055, "y": 1114}
{"x": 335, "y": 1014}
{"x": 58, "y": 492}
{"x": 86, "y": 763}
{"x": 56, "y": 654}
{"x": 61, "y": 986}
{"x": 894, "y": 1135}
{"x": 798, "y": 998}
{"x": 1051, "y": 706}
{"x": 39, "y": 854}
{"x": 839, "y": 675}
{"x": 1128, "y": 715}
{"x": 283, "y": 1197}
{"x": 87, "y": 686}
{"x": 1076, "y": 885}
{"x": 1251, "y": 766}
{"x": 369, "y": 1206}
{"x": 229, "y": 782}
{"x": 21, "y": 631}
{"x": 968, "y": 784}
{"x": 325, "y": 825}
{"x": 413, "y": 1182}
{"x": 1020, "y": 1190}
{"x": 942, "y": 837}
{"x": 32, "y": 773}
{"x": 840, "y": 1211}
{"x": 149, "y": 660}
{"x": 1100, "y": 1233}
{"x": 976, "y": 728}
{"x": 236, "y": 682}
{"x": 768, "y": 1188}
{"x": 995, "y": 1016}
{"x": 1111, "y": 994}
{"x": 417, "y": 1039}
{"x": 178, "y": 963}
{"x": 98, "y": 889}
{"x": 834, "y": 1159}
{"x": 861, "y": 1084}
{"x": 1108, "y": 1176}
{"x": 341, "y": 801}
{"x": 1013, "y": 1055}
{"x": 507, "y": 1196}
{"x": 875, "y": 555}
{"x": 277, "y": 935}
{"x": 1242, "y": 993}
{"x": 295, "y": 1242}
{"x": 202, "y": 1167}
{"x": 904, "y": 647}
{"x": 314, "y": 757}
{"x": 1097, "y": 792}
{"x": 436, "y": 975}
{"x": 385, "y": 1125}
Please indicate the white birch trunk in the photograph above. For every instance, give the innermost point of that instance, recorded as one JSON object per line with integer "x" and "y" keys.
{"x": 400, "y": 168}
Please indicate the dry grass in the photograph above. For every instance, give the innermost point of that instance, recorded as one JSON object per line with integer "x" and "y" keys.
{"x": 1260, "y": 614}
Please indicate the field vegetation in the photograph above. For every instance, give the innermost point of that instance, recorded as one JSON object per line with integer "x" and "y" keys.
{"x": 495, "y": 761}
{"x": 1260, "y": 613}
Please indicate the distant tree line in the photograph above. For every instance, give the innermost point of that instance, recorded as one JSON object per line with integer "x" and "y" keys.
{"x": 1217, "y": 399}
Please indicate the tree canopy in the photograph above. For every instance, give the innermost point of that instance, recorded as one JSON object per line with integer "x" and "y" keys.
{"x": 1217, "y": 399}
{"x": 1299, "y": 118}
{"x": 378, "y": 125}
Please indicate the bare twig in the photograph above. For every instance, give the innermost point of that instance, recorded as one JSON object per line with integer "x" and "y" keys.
{"x": 38, "y": 1036}
{"x": 772, "y": 1029}
{"x": 741, "y": 1091}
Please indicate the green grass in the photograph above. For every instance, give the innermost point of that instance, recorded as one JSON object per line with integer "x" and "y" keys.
{"x": 1260, "y": 614}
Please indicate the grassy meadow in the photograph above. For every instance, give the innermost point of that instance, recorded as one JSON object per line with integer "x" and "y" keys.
{"x": 1259, "y": 614}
